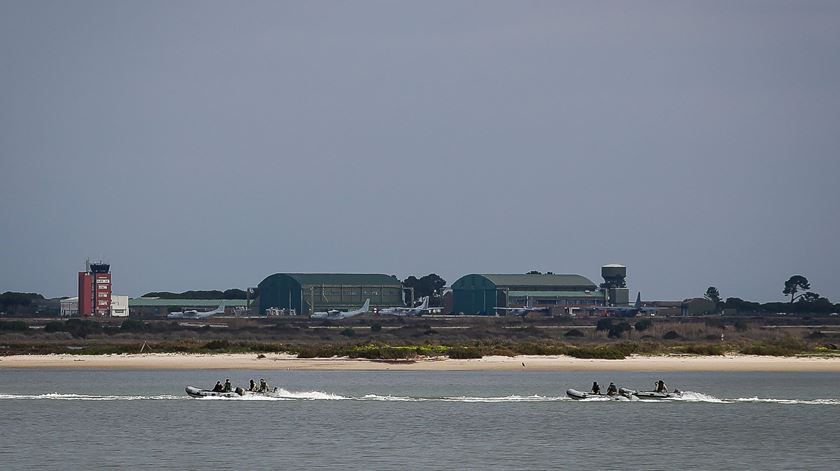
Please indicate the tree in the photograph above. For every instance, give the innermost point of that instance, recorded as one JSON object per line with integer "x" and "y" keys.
{"x": 794, "y": 285}
{"x": 604, "y": 323}
{"x": 713, "y": 295}
{"x": 430, "y": 285}
{"x": 808, "y": 298}
{"x": 534, "y": 272}
{"x": 18, "y": 303}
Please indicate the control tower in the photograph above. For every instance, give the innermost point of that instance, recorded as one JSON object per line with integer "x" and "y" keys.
{"x": 95, "y": 289}
{"x": 615, "y": 285}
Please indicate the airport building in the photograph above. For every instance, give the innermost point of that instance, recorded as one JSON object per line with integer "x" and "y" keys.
{"x": 162, "y": 307}
{"x": 95, "y": 290}
{"x": 481, "y": 294}
{"x": 69, "y": 307}
{"x": 306, "y": 293}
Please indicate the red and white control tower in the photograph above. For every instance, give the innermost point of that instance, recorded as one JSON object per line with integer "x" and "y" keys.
{"x": 95, "y": 290}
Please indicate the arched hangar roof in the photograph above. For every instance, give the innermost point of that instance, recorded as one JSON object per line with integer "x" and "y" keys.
{"x": 358, "y": 279}
{"x": 522, "y": 281}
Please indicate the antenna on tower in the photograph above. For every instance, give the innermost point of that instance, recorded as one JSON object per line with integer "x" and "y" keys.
{"x": 87, "y": 265}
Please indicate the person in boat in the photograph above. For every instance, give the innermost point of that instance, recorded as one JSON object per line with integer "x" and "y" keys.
{"x": 252, "y": 386}
{"x": 217, "y": 387}
{"x": 612, "y": 390}
{"x": 595, "y": 388}
{"x": 661, "y": 388}
{"x": 263, "y": 386}
{"x": 227, "y": 387}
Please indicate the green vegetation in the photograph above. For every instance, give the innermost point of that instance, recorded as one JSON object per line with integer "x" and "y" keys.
{"x": 776, "y": 347}
{"x": 471, "y": 350}
{"x": 712, "y": 294}
{"x": 19, "y": 303}
{"x": 17, "y": 326}
{"x": 643, "y": 325}
{"x": 430, "y": 285}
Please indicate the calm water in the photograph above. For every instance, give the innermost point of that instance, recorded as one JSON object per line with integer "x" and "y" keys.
{"x": 54, "y": 419}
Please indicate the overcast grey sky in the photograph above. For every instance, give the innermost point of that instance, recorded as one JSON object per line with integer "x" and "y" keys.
{"x": 206, "y": 145}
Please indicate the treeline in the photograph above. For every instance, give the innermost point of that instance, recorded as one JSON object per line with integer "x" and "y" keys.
{"x": 802, "y": 301}
{"x": 210, "y": 294}
{"x": 18, "y": 303}
{"x": 818, "y": 306}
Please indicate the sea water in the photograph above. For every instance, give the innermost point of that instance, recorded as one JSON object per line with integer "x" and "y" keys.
{"x": 94, "y": 419}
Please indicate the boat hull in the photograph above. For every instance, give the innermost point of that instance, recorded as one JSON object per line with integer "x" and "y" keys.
{"x": 198, "y": 392}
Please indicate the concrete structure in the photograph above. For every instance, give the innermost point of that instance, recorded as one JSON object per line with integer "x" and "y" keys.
{"x": 615, "y": 285}
{"x": 69, "y": 307}
{"x": 480, "y": 294}
{"x": 310, "y": 292}
{"x": 119, "y": 306}
{"x": 95, "y": 290}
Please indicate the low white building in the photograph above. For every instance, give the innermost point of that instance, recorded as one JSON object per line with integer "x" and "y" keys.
{"x": 69, "y": 307}
{"x": 119, "y": 306}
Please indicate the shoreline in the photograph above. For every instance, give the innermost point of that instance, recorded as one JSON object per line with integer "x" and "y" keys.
{"x": 180, "y": 361}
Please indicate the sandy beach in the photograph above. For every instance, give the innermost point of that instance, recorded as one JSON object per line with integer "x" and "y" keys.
{"x": 671, "y": 363}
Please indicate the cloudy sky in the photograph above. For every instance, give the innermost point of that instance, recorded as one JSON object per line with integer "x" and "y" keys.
{"x": 206, "y": 145}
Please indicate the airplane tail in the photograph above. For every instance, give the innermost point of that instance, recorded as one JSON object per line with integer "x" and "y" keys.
{"x": 638, "y": 304}
{"x": 425, "y": 303}
{"x": 366, "y": 306}
{"x": 529, "y": 302}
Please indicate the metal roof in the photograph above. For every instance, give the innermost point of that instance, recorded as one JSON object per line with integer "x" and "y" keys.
{"x": 556, "y": 294}
{"x": 534, "y": 280}
{"x": 158, "y": 302}
{"x": 373, "y": 279}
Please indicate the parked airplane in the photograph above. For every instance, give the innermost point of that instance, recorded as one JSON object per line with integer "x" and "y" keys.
{"x": 521, "y": 311}
{"x": 628, "y": 311}
{"x": 194, "y": 314}
{"x": 408, "y": 311}
{"x": 336, "y": 314}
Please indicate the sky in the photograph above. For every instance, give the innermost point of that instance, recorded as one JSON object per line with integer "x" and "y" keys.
{"x": 207, "y": 145}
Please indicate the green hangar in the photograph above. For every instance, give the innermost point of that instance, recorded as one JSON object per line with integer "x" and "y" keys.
{"x": 310, "y": 292}
{"x": 481, "y": 294}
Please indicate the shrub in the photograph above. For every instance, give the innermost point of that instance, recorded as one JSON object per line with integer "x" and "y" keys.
{"x": 573, "y": 333}
{"x": 376, "y": 327}
{"x": 741, "y": 325}
{"x": 702, "y": 349}
{"x": 464, "y": 353}
{"x": 82, "y": 328}
{"x": 618, "y": 329}
{"x": 217, "y": 345}
{"x": 133, "y": 325}
{"x": 643, "y": 325}
{"x": 671, "y": 335}
{"x": 719, "y": 323}
{"x": 348, "y": 332}
{"x": 603, "y": 324}
{"x": 783, "y": 347}
{"x": 54, "y": 326}
{"x": 603, "y": 353}
{"x": 16, "y": 326}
